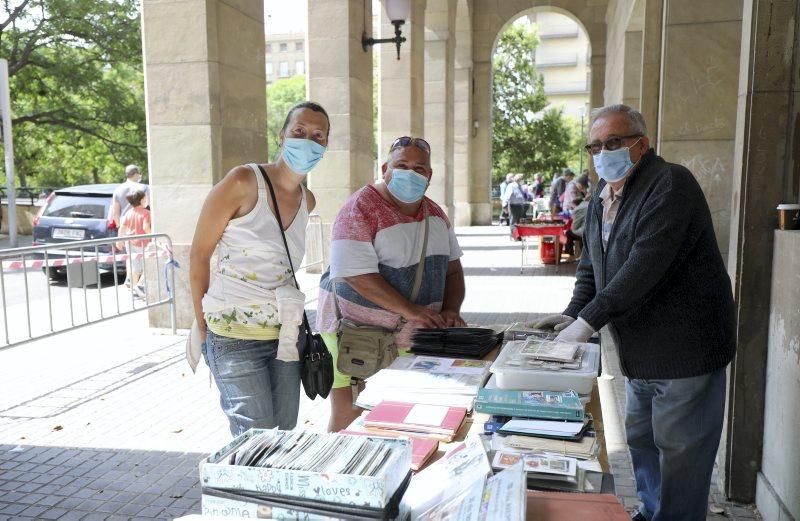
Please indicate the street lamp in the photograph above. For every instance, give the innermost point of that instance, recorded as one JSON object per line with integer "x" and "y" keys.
{"x": 398, "y": 12}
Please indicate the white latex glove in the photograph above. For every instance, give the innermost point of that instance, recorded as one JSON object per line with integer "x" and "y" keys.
{"x": 555, "y": 322}
{"x": 579, "y": 331}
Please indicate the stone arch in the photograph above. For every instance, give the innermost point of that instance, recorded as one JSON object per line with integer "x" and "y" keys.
{"x": 490, "y": 18}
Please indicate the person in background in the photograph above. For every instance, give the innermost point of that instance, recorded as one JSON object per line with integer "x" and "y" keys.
{"x": 651, "y": 271}
{"x": 517, "y": 202}
{"x": 504, "y": 215}
{"x": 119, "y": 201}
{"x": 578, "y": 224}
{"x": 537, "y": 187}
{"x": 248, "y": 316}
{"x": 575, "y": 191}
{"x": 557, "y": 188}
{"x": 136, "y": 221}
{"x": 376, "y": 247}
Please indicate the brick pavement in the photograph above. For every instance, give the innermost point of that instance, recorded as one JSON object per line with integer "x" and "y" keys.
{"x": 107, "y": 422}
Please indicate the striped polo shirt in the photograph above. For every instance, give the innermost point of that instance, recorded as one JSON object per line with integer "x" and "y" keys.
{"x": 371, "y": 235}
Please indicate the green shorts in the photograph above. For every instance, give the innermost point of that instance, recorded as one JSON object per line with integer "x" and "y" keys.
{"x": 341, "y": 380}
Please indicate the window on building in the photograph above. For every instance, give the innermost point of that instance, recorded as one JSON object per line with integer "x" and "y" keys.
{"x": 284, "y": 47}
{"x": 300, "y": 67}
{"x": 269, "y": 48}
{"x": 270, "y": 70}
{"x": 298, "y": 46}
{"x": 283, "y": 69}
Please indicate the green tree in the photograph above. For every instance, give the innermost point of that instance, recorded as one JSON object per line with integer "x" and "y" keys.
{"x": 75, "y": 69}
{"x": 281, "y": 96}
{"x": 529, "y": 136}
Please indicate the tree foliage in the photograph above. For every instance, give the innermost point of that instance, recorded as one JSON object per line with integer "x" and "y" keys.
{"x": 281, "y": 96}
{"x": 76, "y": 83}
{"x": 529, "y": 136}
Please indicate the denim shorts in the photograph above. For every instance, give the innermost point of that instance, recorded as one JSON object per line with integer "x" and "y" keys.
{"x": 256, "y": 389}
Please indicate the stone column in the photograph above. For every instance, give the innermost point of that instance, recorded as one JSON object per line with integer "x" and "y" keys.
{"x": 206, "y": 113}
{"x": 462, "y": 116}
{"x": 596, "y": 99}
{"x": 401, "y": 90}
{"x": 598, "y": 79}
{"x": 650, "y": 85}
{"x": 697, "y": 117}
{"x": 632, "y": 71}
{"x": 439, "y": 96}
{"x": 766, "y": 171}
{"x": 632, "y": 74}
{"x": 481, "y": 150}
{"x": 340, "y": 79}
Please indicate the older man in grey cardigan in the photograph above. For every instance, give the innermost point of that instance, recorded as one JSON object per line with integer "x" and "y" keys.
{"x": 652, "y": 271}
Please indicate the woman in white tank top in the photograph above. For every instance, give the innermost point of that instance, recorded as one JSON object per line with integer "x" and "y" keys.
{"x": 248, "y": 314}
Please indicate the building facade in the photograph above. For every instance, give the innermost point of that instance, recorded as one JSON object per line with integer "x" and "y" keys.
{"x": 562, "y": 58}
{"x": 285, "y": 56}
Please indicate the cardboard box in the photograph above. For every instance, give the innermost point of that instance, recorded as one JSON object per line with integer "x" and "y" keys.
{"x": 351, "y": 490}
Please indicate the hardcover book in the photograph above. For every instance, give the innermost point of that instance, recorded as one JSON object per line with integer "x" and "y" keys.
{"x": 551, "y": 405}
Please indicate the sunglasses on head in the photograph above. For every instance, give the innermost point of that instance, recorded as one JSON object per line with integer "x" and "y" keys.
{"x": 406, "y": 141}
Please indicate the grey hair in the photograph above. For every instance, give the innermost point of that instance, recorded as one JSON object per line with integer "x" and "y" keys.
{"x": 132, "y": 170}
{"x": 635, "y": 117}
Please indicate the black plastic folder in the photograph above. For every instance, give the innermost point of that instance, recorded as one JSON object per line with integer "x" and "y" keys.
{"x": 469, "y": 342}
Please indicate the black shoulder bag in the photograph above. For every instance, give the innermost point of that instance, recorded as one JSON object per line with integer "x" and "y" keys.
{"x": 317, "y": 369}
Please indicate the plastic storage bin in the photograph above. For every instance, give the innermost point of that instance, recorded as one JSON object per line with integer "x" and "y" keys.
{"x": 514, "y": 371}
{"x": 547, "y": 250}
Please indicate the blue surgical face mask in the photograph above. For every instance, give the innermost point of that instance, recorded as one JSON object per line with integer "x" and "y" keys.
{"x": 301, "y": 155}
{"x": 613, "y": 165}
{"x": 407, "y": 186}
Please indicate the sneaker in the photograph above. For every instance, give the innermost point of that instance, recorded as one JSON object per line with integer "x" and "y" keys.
{"x": 138, "y": 291}
{"x": 637, "y": 516}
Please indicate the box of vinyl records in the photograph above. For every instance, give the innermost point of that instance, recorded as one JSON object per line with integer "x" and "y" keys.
{"x": 292, "y": 468}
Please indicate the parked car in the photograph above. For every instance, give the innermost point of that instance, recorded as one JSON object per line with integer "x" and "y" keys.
{"x": 75, "y": 214}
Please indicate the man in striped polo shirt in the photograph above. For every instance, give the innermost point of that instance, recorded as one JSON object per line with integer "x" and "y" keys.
{"x": 376, "y": 245}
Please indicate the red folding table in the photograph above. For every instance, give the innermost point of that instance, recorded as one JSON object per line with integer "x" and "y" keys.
{"x": 523, "y": 231}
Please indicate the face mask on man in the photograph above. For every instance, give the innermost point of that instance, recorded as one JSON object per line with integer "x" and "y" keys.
{"x": 407, "y": 186}
{"x": 614, "y": 165}
{"x": 301, "y": 155}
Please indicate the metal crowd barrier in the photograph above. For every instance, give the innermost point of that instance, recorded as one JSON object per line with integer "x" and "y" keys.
{"x": 82, "y": 263}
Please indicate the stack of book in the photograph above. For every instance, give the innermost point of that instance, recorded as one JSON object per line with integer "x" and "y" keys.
{"x": 548, "y": 429}
{"x": 471, "y": 342}
{"x": 433, "y": 421}
{"x": 431, "y": 380}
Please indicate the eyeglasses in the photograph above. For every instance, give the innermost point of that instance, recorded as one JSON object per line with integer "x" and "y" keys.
{"x": 609, "y": 144}
{"x": 406, "y": 141}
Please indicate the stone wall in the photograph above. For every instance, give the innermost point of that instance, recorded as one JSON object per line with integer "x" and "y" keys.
{"x": 779, "y": 480}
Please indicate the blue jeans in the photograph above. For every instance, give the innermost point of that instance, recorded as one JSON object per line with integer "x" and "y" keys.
{"x": 673, "y": 429}
{"x": 256, "y": 389}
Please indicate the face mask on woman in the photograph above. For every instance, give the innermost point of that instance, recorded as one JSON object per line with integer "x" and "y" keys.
{"x": 301, "y": 155}
{"x": 407, "y": 186}
{"x": 613, "y": 165}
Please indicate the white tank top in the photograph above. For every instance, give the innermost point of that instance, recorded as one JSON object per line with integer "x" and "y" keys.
{"x": 251, "y": 263}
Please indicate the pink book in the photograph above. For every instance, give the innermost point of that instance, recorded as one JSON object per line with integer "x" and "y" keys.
{"x": 421, "y": 448}
{"x": 415, "y": 417}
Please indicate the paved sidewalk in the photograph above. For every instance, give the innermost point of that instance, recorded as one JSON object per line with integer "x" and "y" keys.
{"x": 108, "y": 422}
